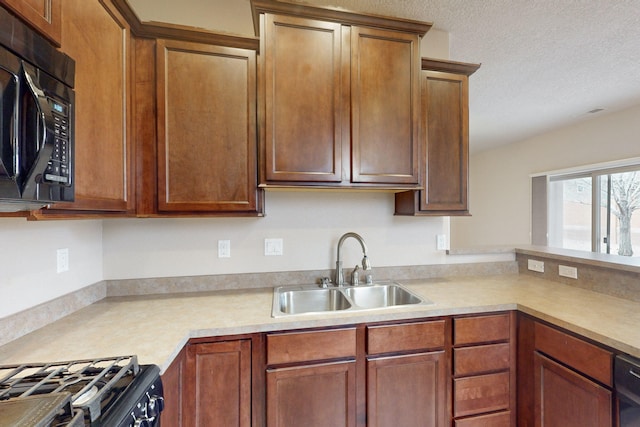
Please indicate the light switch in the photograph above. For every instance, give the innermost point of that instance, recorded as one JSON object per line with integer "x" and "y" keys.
{"x": 272, "y": 247}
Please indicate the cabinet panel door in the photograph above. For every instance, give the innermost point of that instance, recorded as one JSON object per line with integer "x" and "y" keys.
{"x": 218, "y": 384}
{"x": 303, "y": 99}
{"x": 98, "y": 38}
{"x": 43, "y": 15}
{"x": 385, "y": 104}
{"x": 445, "y": 110}
{"x": 206, "y": 128}
{"x": 563, "y": 398}
{"x": 407, "y": 390}
{"x": 314, "y": 395}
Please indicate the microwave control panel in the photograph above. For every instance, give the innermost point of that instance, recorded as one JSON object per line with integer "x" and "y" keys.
{"x": 59, "y": 166}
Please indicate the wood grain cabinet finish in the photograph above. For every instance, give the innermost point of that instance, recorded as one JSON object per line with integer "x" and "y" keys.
{"x": 407, "y": 390}
{"x": 571, "y": 378}
{"x": 311, "y": 378}
{"x": 445, "y": 141}
{"x": 173, "y": 383}
{"x": 565, "y": 398}
{"x": 206, "y": 156}
{"x": 340, "y": 101}
{"x": 43, "y": 15}
{"x": 484, "y": 370}
{"x": 407, "y": 374}
{"x": 98, "y": 38}
{"x": 218, "y": 389}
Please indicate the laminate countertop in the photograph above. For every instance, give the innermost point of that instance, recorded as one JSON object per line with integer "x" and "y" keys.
{"x": 156, "y": 327}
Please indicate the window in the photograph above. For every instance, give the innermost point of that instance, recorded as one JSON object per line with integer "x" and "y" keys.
{"x": 593, "y": 210}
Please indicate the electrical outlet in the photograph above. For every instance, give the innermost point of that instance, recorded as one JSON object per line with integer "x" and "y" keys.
{"x": 566, "y": 271}
{"x": 62, "y": 257}
{"x": 272, "y": 247}
{"x": 224, "y": 248}
{"x": 535, "y": 265}
{"x": 441, "y": 242}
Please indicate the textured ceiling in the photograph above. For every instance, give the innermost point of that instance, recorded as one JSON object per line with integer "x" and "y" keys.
{"x": 545, "y": 63}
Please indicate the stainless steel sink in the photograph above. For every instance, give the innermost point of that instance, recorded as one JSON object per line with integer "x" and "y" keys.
{"x": 377, "y": 296}
{"x": 312, "y": 299}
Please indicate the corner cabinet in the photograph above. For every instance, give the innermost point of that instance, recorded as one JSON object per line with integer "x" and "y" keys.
{"x": 98, "y": 38}
{"x": 338, "y": 98}
{"x": 201, "y": 157}
{"x": 445, "y": 141}
{"x": 572, "y": 379}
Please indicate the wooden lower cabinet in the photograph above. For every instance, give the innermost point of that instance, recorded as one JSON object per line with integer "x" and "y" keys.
{"x": 563, "y": 380}
{"x": 312, "y": 395}
{"x": 484, "y": 370}
{"x": 568, "y": 399}
{"x": 408, "y": 390}
{"x": 217, "y": 387}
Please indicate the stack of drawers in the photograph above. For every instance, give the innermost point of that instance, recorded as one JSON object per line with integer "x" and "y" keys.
{"x": 482, "y": 371}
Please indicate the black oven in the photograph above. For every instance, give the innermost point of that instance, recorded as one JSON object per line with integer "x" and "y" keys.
{"x": 36, "y": 119}
{"x": 103, "y": 392}
{"x": 627, "y": 385}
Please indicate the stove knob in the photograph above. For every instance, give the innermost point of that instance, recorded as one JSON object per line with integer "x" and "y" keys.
{"x": 155, "y": 406}
{"x": 143, "y": 422}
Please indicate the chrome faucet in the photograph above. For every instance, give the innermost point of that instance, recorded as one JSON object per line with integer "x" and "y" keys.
{"x": 366, "y": 265}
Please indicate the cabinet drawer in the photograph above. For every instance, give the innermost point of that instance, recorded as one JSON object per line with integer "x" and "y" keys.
{"x": 500, "y": 419}
{"x": 474, "y": 330}
{"x": 311, "y": 345}
{"x": 587, "y": 358}
{"x": 481, "y": 359}
{"x": 405, "y": 337}
{"x": 484, "y": 393}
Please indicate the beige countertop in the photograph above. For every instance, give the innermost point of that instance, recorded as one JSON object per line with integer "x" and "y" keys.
{"x": 155, "y": 328}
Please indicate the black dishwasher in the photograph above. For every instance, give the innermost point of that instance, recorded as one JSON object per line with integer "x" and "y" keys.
{"x": 627, "y": 384}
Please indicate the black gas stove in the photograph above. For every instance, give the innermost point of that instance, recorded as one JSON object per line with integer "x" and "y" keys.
{"x": 106, "y": 392}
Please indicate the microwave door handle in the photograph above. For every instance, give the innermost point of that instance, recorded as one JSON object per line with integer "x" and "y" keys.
{"x": 45, "y": 148}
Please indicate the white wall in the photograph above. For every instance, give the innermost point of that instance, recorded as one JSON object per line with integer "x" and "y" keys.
{"x": 309, "y": 222}
{"x": 499, "y": 187}
{"x": 28, "y": 263}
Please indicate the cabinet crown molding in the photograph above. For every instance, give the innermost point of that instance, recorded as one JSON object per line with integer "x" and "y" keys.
{"x": 340, "y": 15}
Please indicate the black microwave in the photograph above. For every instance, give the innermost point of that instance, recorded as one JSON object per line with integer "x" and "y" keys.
{"x": 36, "y": 119}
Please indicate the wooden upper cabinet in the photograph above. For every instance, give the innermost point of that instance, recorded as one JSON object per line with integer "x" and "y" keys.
{"x": 304, "y": 100}
{"x": 206, "y": 106}
{"x": 445, "y": 141}
{"x": 98, "y": 38}
{"x": 385, "y": 95}
{"x": 43, "y": 15}
{"x": 339, "y": 94}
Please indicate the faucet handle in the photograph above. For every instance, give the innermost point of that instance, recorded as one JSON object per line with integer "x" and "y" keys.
{"x": 355, "y": 279}
{"x": 325, "y": 282}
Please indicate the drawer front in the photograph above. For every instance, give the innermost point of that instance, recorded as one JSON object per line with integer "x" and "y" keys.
{"x": 587, "y": 358}
{"x": 481, "y": 359}
{"x": 484, "y": 393}
{"x": 476, "y": 330}
{"x": 500, "y": 419}
{"x": 309, "y": 346}
{"x": 405, "y": 337}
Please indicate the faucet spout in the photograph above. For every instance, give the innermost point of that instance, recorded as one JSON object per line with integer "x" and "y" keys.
{"x": 366, "y": 264}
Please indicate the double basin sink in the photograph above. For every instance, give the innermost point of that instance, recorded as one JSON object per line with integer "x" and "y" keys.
{"x": 289, "y": 300}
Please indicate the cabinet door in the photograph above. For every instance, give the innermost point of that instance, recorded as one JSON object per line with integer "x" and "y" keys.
{"x": 321, "y": 395}
{"x": 44, "y": 15}
{"x": 206, "y": 128}
{"x": 445, "y": 103}
{"x": 407, "y": 390}
{"x": 98, "y": 38}
{"x": 563, "y": 398}
{"x": 304, "y": 106}
{"x": 173, "y": 389}
{"x": 218, "y": 385}
{"x": 385, "y": 106}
